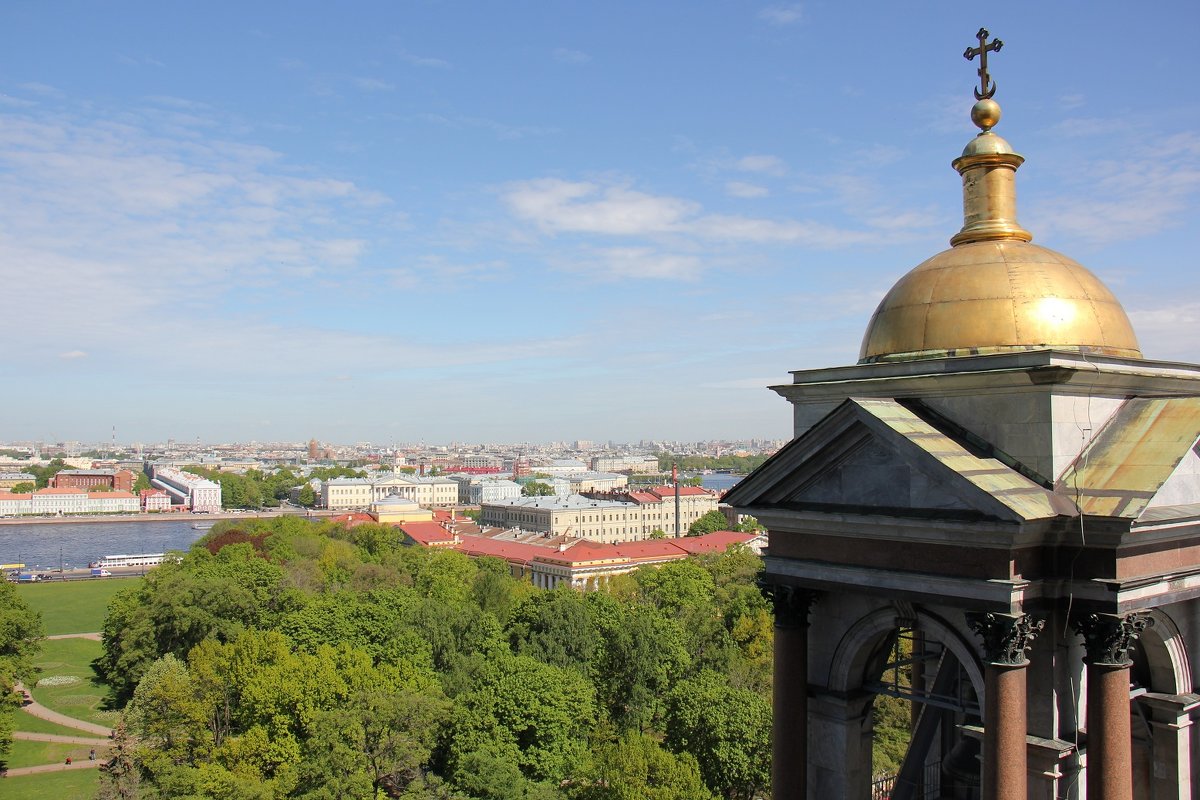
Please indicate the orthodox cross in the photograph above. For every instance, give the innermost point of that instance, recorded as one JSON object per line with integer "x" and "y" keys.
{"x": 987, "y": 86}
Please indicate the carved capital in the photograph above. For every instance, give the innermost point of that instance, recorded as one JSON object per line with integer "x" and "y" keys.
{"x": 1108, "y": 637}
{"x": 791, "y": 603}
{"x": 1006, "y": 637}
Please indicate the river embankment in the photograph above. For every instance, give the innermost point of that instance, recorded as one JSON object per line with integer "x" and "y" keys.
{"x": 74, "y": 519}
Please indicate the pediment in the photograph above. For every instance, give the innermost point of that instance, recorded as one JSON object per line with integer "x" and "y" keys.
{"x": 872, "y": 456}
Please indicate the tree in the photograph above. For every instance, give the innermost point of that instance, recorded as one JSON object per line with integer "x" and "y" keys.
{"x": 141, "y": 483}
{"x": 42, "y": 475}
{"x": 378, "y": 741}
{"x": 24, "y": 487}
{"x": 643, "y": 654}
{"x": 712, "y": 521}
{"x": 20, "y": 631}
{"x": 537, "y": 489}
{"x": 555, "y": 628}
{"x": 534, "y": 715}
{"x": 308, "y": 497}
{"x": 749, "y": 525}
{"x": 636, "y": 767}
{"x": 119, "y": 776}
{"x": 727, "y": 730}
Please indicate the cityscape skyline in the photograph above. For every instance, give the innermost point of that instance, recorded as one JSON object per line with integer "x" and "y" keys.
{"x": 443, "y": 222}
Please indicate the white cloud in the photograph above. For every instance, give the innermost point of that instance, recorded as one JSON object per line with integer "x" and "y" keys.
{"x": 643, "y": 262}
{"x": 1151, "y": 188}
{"x": 71, "y": 355}
{"x": 1168, "y": 332}
{"x": 138, "y": 61}
{"x": 782, "y": 15}
{"x": 41, "y": 88}
{"x": 567, "y": 56}
{"x": 422, "y": 61}
{"x": 126, "y": 226}
{"x": 742, "y": 189}
{"x": 732, "y": 228}
{"x": 373, "y": 85}
{"x": 556, "y": 205}
{"x": 559, "y": 206}
{"x": 768, "y": 165}
{"x": 500, "y": 129}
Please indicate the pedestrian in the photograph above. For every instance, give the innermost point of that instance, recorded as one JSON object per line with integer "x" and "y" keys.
{"x": 92, "y": 754}
{"x": 68, "y": 761}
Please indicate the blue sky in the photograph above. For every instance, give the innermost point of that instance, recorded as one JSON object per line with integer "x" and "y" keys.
{"x": 537, "y": 221}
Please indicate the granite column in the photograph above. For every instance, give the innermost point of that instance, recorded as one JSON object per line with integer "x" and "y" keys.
{"x": 1006, "y": 639}
{"x": 789, "y": 723}
{"x": 1107, "y": 640}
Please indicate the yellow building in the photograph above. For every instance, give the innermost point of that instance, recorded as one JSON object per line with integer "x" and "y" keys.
{"x": 394, "y": 509}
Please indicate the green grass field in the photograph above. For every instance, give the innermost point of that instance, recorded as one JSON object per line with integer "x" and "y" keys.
{"x": 84, "y": 699}
{"x": 29, "y": 754}
{"x": 67, "y": 785}
{"x": 31, "y": 724}
{"x": 72, "y": 606}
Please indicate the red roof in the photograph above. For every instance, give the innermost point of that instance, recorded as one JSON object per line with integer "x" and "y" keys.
{"x": 583, "y": 552}
{"x": 354, "y": 518}
{"x": 151, "y": 493}
{"x": 715, "y": 542}
{"x": 644, "y": 497}
{"x": 510, "y": 551}
{"x": 7, "y": 495}
{"x": 684, "y": 491}
{"x": 652, "y": 550}
{"x": 98, "y": 495}
{"x": 427, "y": 533}
{"x": 63, "y": 490}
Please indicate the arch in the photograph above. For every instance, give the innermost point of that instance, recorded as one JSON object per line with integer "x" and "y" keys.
{"x": 849, "y": 662}
{"x": 1166, "y": 655}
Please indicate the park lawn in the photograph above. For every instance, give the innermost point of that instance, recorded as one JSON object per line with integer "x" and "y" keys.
{"x": 24, "y": 753}
{"x": 72, "y": 784}
{"x": 84, "y": 699}
{"x": 31, "y": 724}
{"x": 72, "y": 606}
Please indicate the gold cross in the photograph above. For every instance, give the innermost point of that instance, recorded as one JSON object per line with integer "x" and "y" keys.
{"x": 987, "y": 86}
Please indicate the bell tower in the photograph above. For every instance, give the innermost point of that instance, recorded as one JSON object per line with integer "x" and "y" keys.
{"x": 994, "y": 515}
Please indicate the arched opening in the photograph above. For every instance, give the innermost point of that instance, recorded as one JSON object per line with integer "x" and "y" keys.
{"x": 1160, "y": 671}
{"x": 926, "y": 692}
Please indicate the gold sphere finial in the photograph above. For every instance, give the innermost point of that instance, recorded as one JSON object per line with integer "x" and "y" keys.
{"x": 985, "y": 114}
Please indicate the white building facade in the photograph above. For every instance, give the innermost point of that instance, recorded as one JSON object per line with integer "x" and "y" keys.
{"x": 192, "y": 491}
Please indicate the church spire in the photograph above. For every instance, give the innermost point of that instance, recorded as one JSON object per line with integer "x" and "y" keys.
{"x": 988, "y": 165}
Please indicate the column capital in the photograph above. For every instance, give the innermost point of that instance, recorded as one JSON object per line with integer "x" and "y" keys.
{"x": 1006, "y": 637}
{"x": 1107, "y": 638}
{"x": 790, "y": 603}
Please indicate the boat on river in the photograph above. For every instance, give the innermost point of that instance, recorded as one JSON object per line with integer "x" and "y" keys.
{"x": 138, "y": 560}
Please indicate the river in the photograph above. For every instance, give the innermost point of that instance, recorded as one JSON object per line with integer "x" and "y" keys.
{"x": 40, "y": 545}
{"x": 719, "y": 481}
{"x": 78, "y": 543}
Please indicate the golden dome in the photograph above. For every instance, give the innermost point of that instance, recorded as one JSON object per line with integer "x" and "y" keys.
{"x": 993, "y": 291}
{"x": 997, "y": 296}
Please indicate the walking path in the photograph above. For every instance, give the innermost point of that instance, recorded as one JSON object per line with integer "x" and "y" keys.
{"x": 54, "y": 737}
{"x": 36, "y": 709}
{"x": 84, "y": 764}
{"x": 95, "y": 636}
{"x": 41, "y": 712}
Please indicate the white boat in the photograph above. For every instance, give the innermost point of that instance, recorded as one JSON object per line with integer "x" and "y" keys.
{"x": 140, "y": 560}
